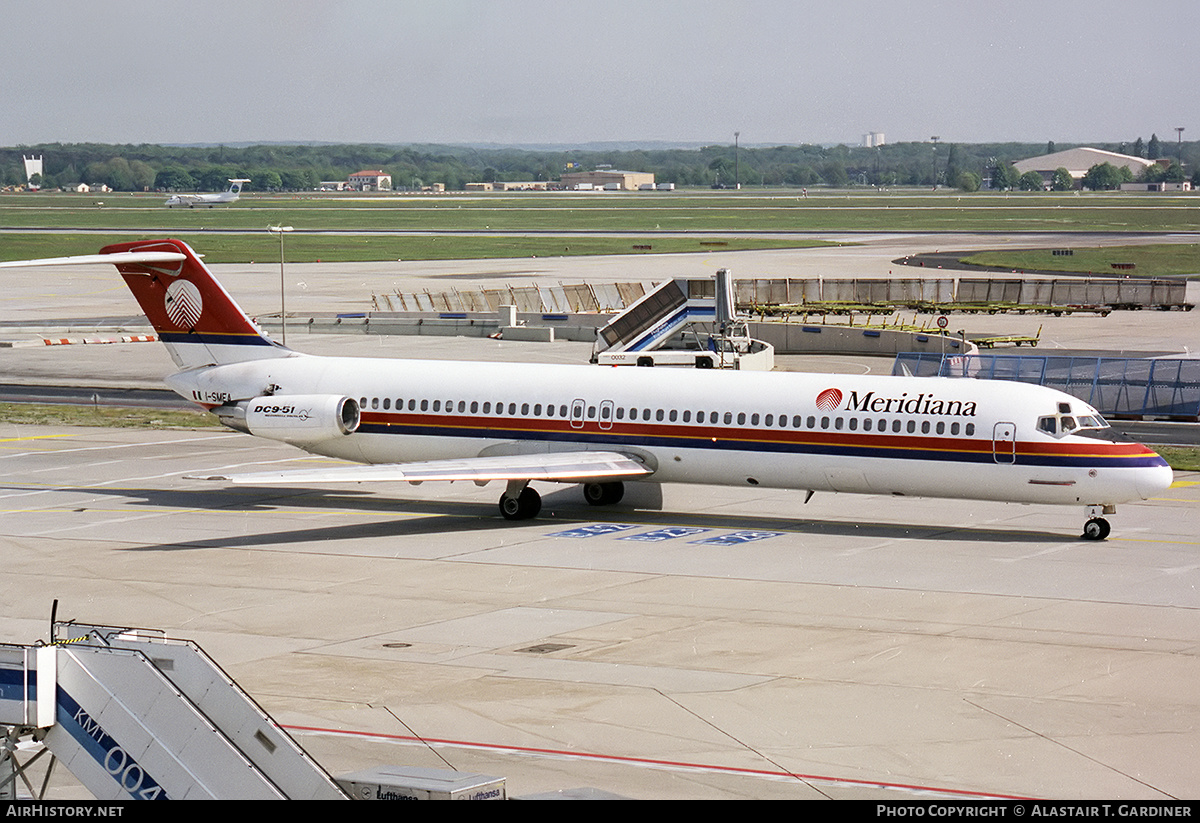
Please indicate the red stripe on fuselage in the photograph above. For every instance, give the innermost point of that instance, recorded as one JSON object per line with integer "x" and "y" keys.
{"x": 508, "y": 427}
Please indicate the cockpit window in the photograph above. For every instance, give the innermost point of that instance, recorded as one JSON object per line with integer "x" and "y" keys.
{"x": 1063, "y": 423}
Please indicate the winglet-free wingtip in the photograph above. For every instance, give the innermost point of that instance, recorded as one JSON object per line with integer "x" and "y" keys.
{"x": 92, "y": 259}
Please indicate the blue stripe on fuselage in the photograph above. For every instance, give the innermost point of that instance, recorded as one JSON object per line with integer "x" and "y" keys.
{"x": 906, "y": 448}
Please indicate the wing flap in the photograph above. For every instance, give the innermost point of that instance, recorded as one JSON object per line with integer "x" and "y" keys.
{"x": 560, "y": 466}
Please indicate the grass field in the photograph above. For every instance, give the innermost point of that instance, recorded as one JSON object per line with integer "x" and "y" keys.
{"x": 638, "y": 212}
{"x": 1181, "y": 458}
{"x": 1165, "y": 260}
{"x": 218, "y": 247}
{"x": 36, "y": 414}
{"x": 462, "y": 226}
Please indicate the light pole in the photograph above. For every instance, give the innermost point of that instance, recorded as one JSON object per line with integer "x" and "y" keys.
{"x": 935, "y": 140}
{"x": 280, "y": 230}
{"x": 737, "y": 180}
{"x": 1179, "y": 150}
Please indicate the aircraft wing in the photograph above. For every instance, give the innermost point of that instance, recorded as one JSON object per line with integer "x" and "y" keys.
{"x": 562, "y": 466}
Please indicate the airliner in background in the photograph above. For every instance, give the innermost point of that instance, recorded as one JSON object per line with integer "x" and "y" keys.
{"x": 417, "y": 421}
{"x": 230, "y": 195}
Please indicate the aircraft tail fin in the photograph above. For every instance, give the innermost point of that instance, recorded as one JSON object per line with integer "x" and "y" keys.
{"x": 197, "y": 320}
{"x": 235, "y": 186}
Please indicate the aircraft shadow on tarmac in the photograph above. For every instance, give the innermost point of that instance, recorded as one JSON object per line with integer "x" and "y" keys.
{"x": 415, "y": 518}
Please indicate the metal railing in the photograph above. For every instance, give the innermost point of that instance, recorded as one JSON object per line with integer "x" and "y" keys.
{"x": 1115, "y": 386}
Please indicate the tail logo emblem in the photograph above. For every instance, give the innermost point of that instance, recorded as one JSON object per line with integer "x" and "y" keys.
{"x": 829, "y": 399}
{"x": 184, "y": 304}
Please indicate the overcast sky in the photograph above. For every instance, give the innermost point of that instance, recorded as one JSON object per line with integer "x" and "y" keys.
{"x": 572, "y": 71}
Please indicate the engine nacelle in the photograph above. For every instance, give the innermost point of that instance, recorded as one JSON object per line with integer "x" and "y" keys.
{"x": 293, "y": 418}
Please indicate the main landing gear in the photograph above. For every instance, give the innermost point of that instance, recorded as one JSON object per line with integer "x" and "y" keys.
{"x": 519, "y": 502}
{"x": 1097, "y": 528}
{"x": 603, "y": 494}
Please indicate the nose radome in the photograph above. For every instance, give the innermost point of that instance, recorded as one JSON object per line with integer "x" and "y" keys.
{"x": 1154, "y": 480}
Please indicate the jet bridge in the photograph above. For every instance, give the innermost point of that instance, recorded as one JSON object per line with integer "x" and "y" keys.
{"x": 135, "y": 715}
{"x": 704, "y": 307}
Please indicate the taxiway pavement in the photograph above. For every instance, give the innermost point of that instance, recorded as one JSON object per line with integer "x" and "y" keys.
{"x": 726, "y": 643}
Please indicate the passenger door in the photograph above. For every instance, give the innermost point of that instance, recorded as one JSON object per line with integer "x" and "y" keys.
{"x": 1004, "y": 443}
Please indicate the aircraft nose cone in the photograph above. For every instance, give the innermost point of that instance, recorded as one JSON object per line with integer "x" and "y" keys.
{"x": 1154, "y": 480}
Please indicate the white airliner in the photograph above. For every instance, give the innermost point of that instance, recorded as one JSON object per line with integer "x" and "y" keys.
{"x": 230, "y": 195}
{"x": 420, "y": 421}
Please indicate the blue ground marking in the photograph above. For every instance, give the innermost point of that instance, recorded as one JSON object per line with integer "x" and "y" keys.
{"x": 669, "y": 533}
{"x": 593, "y": 530}
{"x": 737, "y": 538}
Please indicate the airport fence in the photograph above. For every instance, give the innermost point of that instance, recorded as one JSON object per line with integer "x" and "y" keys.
{"x": 759, "y": 293}
{"x": 567, "y": 299}
{"x": 1114, "y": 386}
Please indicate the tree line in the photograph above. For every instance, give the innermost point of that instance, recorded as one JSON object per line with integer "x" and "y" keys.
{"x": 271, "y": 167}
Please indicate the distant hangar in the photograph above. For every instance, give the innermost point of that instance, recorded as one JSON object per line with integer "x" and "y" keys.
{"x": 607, "y": 179}
{"x": 1078, "y": 161}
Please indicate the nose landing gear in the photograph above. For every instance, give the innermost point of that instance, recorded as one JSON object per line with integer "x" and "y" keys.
{"x": 1097, "y": 528}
